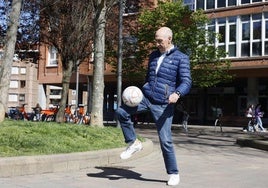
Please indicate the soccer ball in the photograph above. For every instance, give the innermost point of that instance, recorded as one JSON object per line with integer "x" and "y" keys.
{"x": 132, "y": 96}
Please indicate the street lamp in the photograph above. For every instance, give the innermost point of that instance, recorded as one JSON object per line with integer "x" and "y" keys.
{"x": 119, "y": 58}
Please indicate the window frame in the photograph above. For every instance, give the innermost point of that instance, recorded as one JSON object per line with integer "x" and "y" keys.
{"x": 53, "y": 56}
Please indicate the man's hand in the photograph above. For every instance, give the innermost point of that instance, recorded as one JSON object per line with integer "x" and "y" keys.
{"x": 173, "y": 98}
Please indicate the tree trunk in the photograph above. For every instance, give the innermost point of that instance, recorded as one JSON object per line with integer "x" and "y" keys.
{"x": 66, "y": 77}
{"x": 9, "y": 48}
{"x": 98, "y": 74}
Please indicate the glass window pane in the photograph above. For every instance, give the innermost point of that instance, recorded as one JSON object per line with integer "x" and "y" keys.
{"x": 222, "y": 33}
{"x": 266, "y": 29}
{"x": 232, "y": 50}
{"x": 245, "y": 31}
{"x": 232, "y": 33}
{"x": 221, "y": 20}
{"x": 231, "y": 2}
{"x": 265, "y": 14}
{"x": 245, "y": 49}
{"x": 222, "y": 47}
{"x": 221, "y": 3}
{"x": 257, "y": 30}
{"x": 266, "y": 48}
{"x": 256, "y": 16}
{"x": 253, "y": 1}
{"x": 210, "y": 4}
{"x": 256, "y": 48}
{"x": 245, "y": 18}
{"x": 15, "y": 70}
{"x": 23, "y": 70}
{"x": 12, "y": 97}
{"x": 232, "y": 19}
{"x": 200, "y": 4}
{"x": 245, "y": 1}
{"x": 14, "y": 84}
{"x": 211, "y": 34}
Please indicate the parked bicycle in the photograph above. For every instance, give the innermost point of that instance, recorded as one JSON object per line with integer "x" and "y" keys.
{"x": 81, "y": 117}
{"x": 49, "y": 114}
{"x": 18, "y": 113}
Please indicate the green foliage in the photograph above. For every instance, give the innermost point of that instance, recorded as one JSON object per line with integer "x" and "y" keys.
{"x": 208, "y": 65}
{"x": 22, "y": 138}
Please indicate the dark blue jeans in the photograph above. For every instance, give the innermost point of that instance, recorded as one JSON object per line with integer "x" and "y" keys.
{"x": 163, "y": 116}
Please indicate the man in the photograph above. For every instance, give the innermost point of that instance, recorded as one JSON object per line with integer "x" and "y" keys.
{"x": 168, "y": 79}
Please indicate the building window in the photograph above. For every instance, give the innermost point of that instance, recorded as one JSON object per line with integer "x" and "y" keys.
{"x": 232, "y": 3}
{"x": 189, "y": 3}
{"x": 13, "y": 97}
{"x": 55, "y": 92}
{"x": 200, "y": 4}
{"x": 266, "y": 33}
{"x": 210, "y": 4}
{"x": 242, "y": 36}
{"x": 245, "y": 43}
{"x": 132, "y": 6}
{"x": 15, "y": 70}
{"x": 221, "y": 29}
{"x": 232, "y": 36}
{"x": 53, "y": 56}
{"x": 211, "y": 31}
{"x": 257, "y": 28}
{"x": 22, "y": 84}
{"x": 23, "y": 70}
{"x": 245, "y": 1}
{"x": 21, "y": 97}
{"x": 221, "y": 3}
{"x": 14, "y": 84}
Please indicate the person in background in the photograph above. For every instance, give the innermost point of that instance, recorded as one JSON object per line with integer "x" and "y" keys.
{"x": 185, "y": 115}
{"x": 37, "y": 112}
{"x": 168, "y": 79}
{"x": 250, "y": 115}
{"x": 259, "y": 115}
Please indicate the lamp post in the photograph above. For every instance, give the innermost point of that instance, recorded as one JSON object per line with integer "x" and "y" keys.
{"x": 119, "y": 57}
{"x": 77, "y": 84}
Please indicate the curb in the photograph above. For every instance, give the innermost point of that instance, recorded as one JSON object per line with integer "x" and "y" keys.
{"x": 254, "y": 143}
{"x": 28, "y": 165}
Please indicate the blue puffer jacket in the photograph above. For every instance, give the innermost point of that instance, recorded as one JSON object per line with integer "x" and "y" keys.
{"x": 172, "y": 76}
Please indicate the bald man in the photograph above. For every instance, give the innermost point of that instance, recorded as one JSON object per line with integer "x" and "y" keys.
{"x": 168, "y": 79}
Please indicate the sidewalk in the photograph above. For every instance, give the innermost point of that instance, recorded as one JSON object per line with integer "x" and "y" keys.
{"x": 207, "y": 159}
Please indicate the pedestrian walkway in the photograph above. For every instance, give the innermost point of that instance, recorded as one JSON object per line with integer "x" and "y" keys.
{"x": 207, "y": 159}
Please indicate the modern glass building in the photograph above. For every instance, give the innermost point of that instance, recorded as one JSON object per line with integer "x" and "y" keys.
{"x": 243, "y": 26}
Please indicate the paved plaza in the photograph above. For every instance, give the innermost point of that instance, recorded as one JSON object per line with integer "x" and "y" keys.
{"x": 207, "y": 159}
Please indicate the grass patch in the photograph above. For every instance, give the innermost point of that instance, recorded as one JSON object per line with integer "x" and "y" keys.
{"x": 25, "y": 138}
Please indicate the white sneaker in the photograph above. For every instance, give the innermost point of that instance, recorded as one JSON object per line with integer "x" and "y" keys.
{"x": 131, "y": 149}
{"x": 174, "y": 179}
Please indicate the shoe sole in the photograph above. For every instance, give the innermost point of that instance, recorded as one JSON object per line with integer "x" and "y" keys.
{"x": 132, "y": 153}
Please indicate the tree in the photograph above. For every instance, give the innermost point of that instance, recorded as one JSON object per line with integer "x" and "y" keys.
{"x": 100, "y": 12}
{"x": 67, "y": 26}
{"x": 72, "y": 27}
{"x": 208, "y": 64}
{"x": 9, "y": 48}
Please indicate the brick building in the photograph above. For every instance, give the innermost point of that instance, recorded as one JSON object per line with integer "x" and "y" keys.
{"x": 24, "y": 86}
{"x": 243, "y": 25}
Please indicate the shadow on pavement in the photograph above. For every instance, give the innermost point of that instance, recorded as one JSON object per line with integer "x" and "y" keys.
{"x": 116, "y": 173}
